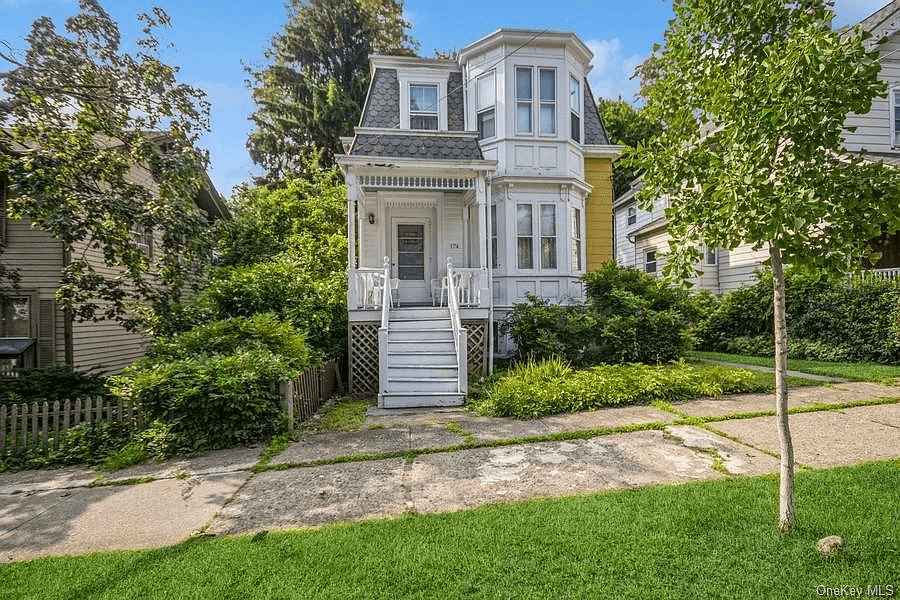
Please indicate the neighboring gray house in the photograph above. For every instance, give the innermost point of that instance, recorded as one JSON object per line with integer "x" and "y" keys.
{"x": 32, "y": 314}
{"x": 471, "y": 183}
{"x": 641, "y": 237}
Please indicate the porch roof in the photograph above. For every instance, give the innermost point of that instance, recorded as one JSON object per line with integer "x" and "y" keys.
{"x": 460, "y": 146}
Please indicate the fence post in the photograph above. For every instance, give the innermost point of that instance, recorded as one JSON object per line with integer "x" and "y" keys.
{"x": 34, "y": 424}
{"x": 55, "y": 424}
{"x": 44, "y": 423}
{"x": 287, "y": 395}
{"x": 13, "y": 423}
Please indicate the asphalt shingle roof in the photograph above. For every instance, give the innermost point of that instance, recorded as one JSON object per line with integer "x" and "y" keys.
{"x": 594, "y": 134}
{"x": 383, "y": 107}
{"x": 393, "y": 145}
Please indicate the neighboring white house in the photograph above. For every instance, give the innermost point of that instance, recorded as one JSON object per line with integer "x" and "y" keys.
{"x": 471, "y": 184}
{"x": 641, "y": 237}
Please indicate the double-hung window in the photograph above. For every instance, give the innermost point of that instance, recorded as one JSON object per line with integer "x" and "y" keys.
{"x": 540, "y": 233}
{"x": 650, "y": 261}
{"x": 575, "y": 109}
{"x": 495, "y": 261}
{"x": 710, "y": 255}
{"x": 524, "y": 236}
{"x": 423, "y": 106}
{"x": 632, "y": 215}
{"x": 524, "y": 97}
{"x": 486, "y": 100}
{"x": 548, "y": 236}
{"x": 142, "y": 238}
{"x": 525, "y": 100}
{"x": 576, "y": 239}
{"x": 895, "y": 118}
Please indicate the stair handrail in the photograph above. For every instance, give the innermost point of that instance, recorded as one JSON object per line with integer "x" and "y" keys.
{"x": 458, "y": 332}
{"x": 386, "y": 293}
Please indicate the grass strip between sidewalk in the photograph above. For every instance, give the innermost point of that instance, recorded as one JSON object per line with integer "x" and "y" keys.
{"x": 711, "y": 539}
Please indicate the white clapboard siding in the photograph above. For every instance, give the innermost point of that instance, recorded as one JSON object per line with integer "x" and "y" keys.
{"x": 873, "y": 129}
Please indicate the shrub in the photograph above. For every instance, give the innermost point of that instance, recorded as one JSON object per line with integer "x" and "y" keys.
{"x": 536, "y": 389}
{"x": 213, "y": 401}
{"x": 630, "y": 317}
{"x": 59, "y": 382}
{"x": 827, "y": 318}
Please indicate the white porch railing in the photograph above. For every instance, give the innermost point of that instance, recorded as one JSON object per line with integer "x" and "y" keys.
{"x": 893, "y": 274}
{"x": 367, "y": 288}
{"x": 383, "y": 330}
{"x": 468, "y": 283}
{"x": 459, "y": 334}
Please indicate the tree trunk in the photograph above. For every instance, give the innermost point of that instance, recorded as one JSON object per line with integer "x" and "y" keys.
{"x": 786, "y": 519}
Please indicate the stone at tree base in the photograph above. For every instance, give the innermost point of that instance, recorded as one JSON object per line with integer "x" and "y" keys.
{"x": 830, "y": 546}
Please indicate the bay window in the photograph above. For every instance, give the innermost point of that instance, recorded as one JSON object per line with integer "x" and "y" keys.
{"x": 575, "y": 109}
{"x": 486, "y": 99}
{"x": 524, "y": 233}
{"x": 548, "y": 236}
{"x": 525, "y": 99}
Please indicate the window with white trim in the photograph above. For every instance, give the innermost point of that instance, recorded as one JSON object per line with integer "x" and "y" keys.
{"x": 895, "y": 118}
{"x": 525, "y": 236}
{"x": 495, "y": 261}
{"x": 710, "y": 255}
{"x": 548, "y": 236}
{"x": 142, "y": 237}
{"x": 545, "y": 99}
{"x": 575, "y": 109}
{"x": 632, "y": 215}
{"x": 524, "y": 97}
{"x": 650, "y": 261}
{"x": 576, "y": 239}
{"x": 423, "y": 106}
{"x": 484, "y": 106}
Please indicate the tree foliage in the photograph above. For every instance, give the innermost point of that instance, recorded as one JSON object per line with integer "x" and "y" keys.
{"x": 754, "y": 95}
{"x": 83, "y": 117}
{"x": 631, "y": 127}
{"x": 312, "y": 90}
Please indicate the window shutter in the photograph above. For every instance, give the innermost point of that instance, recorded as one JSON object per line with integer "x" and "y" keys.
{"x": 46, "y": 332}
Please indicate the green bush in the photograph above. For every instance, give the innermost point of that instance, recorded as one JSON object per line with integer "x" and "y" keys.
{"x": 216, "y": 385}
{"x": 536, "y": 389}
{"x": 83, "y": 444}
{"x": 48, "y": 384}
{"x": 827, "y": 318}
{"x": 210, "y": 402}
{"x": 629, "y": 317}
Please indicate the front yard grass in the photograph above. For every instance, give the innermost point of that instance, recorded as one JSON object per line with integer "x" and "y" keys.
{"x": 857, "y": 371}
{"x": 713, "y": 539}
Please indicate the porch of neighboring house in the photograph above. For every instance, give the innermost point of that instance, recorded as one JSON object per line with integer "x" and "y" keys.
{"x": 419, "y": 296}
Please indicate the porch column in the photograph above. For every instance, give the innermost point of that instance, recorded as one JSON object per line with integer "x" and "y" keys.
{"x": 483, "y": 240}
{"x": 352, "y": 192}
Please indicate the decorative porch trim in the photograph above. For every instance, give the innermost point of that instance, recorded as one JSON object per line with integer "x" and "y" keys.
{"x": 417, "y": 182}
{"x": 363, "y": 355}
{"x": 477, "y": 345}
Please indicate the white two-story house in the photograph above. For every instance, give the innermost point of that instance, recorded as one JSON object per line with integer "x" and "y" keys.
{"x": 471, "y": 184}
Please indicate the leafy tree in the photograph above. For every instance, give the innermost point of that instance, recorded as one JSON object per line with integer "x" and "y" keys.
{"x": 629, "y": 126}
{"x": 754, "y": 95}
{"x": 312, "y": 91}
{"x": 81, "y": 115}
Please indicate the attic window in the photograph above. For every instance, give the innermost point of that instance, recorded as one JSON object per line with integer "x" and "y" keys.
{"x": 423, "y": 107}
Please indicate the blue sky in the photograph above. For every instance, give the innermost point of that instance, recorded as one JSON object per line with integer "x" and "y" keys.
{"x": 212, "y": 38}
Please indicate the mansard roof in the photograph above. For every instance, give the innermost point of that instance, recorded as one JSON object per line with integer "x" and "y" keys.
{"x": 391, "y": 144}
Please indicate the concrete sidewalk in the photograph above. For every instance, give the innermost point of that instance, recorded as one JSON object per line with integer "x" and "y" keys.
{"x": 56, "y": 512}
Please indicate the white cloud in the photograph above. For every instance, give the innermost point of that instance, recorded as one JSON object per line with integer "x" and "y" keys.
{"x": 611, "y": 76}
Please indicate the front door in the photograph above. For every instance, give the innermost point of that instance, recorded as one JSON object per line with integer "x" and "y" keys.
{"x": 411, "y": 259}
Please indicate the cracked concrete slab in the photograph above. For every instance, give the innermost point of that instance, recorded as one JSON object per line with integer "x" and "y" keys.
{"x": 839, "y": 393}
{"x": 499, "y": 428}
{"x": 325, "y": 446}
{"x": 315, "y": 496}
{"x": 79, "y": 521}
{"x": 738, "y": 458}
{"x": 447, "y": 482}
{"x": 825, "y": 438}
{"x": 607, "y": 418}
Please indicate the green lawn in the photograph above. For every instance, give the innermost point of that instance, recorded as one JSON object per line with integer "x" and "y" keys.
{"x": 859, "y": 371}
{"x": 714, "y": 539}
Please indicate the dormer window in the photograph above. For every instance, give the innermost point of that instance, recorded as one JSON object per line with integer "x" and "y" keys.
{"x": 423, "y": 107}
{"x": 575, "y": 109}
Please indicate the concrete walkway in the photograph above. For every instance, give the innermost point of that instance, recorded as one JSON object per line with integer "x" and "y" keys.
{"x": 431, "y": 461}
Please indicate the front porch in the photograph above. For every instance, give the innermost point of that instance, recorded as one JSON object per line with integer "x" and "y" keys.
{"x": 419, "y": 286}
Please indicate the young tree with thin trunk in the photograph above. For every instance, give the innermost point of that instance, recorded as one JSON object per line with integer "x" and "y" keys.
{"x": 753, "y": 95}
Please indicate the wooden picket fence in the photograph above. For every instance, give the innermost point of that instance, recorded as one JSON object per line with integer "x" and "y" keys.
{"x": 305, "y": 394}
{"x": 42, "y": 425}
